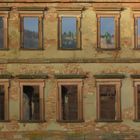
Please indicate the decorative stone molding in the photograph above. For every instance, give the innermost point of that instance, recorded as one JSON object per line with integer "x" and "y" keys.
{"x": 69, "y": 76}
{"x": 109, "y": 76}
{"x": 108, "y": 9}
{"x": 31, "y": 8}
{"x": 33, "y": 76}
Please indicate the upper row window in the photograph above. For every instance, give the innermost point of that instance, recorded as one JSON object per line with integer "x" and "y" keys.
{"x": 108, "y": 31}
{"x": 108, "y": 34}
{"x": 31, "y": 31}
{"x": 69, "y": 33}
{"x": 3, "y": 30}
{"x": 137, "y": 31}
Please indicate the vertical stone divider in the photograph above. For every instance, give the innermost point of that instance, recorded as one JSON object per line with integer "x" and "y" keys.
{"x": 14, "y": 29}
{"x": 14, "y": 100}
{"x": 50, "y": 28}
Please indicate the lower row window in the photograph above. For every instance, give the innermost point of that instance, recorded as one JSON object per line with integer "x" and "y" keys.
{"x": 69, "y": 100}
{"x": 4, "y": 86}
{"x": 32, "y": 100}
{"x": 108, "y": 100}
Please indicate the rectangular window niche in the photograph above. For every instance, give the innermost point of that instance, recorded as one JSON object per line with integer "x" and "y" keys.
{"x": 69, "y": 29}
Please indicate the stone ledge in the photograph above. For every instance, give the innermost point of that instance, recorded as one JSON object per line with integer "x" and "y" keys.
{"x": 67, "y": 60}
{"x": 135, "y": 76}
{"x": 69, "y": 76}
{"x": 31, "y": 8}
{"x": 6, "y": 76}
{"x": 34, "y": 76}
{"x": 109, "y": 76}
{"x": 72, "y": 121}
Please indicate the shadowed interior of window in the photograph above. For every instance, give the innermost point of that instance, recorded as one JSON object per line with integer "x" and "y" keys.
{"x": 1, "y": 33}
{"x": 69, "y": 102}
{"x": 138, "y": 101}
{"x": 107, "y": 102}
{"x": 31, "y": 107}
{"x": 2, "y": 99}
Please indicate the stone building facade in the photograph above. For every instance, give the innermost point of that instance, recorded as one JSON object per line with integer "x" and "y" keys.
{"x": 87, "y": 91}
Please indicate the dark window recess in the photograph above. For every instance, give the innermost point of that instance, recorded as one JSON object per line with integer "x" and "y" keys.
{"x": 30, "y": 33}
{"x": 2, "y": 98}
{"x": 1, "y": 33}
{"x": 31, "y": 107}
{"x": 69, "y": 102}
{"x": 138, "y": 101}
{"x": 107, "y": 102}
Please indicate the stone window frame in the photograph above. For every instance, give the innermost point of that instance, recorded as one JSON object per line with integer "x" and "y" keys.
{"x": 33, "y": 82}
{"x": 79, "y": 84}
{"x": 136, "y": 16}
{"x": 73, "y": 13}
{"x": 5, "y": 83}
{"x": 40, "y": 16}
{"x": 107, "y": 13}
{"x": 5, "y": 16}
{"x": 136, "y": 82}
{"x": 118, "y": 84}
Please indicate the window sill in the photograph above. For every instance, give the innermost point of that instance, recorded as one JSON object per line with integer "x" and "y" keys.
{"x": 28, "y": 49}
{"x": 4, "y": 49}
{"x": 136, "y": 48}
{"x": 104, "y": 49}
{"x": 32, "y": 121}
{"x": 1, "y": 121}
{"x": 70, "y": 49}
{"x": 70, "y": 121}
{"x": 109, "y": 121}
{"x": 136, "y": 120}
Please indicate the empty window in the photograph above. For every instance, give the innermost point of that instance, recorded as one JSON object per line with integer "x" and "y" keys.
{"x": 4, "y": 86}
{"x": 31, "y": 32}
{"x": 31, "y": 106}
{"x": 70, "y": 101}
{"x": 2, "y": 105}
{"x": 137, "y": 98}
{"x": 1, "y": 33}
{"x": 108, "y": 100}
{"x": 32, "y": 100}
{"x": 138, "y": 101}
{"x": 108, "y": 31}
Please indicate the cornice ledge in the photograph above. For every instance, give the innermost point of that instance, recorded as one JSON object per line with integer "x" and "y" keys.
{"x": 6, "y": 76}
{"x": 32, "y": 76}
{"x": 135, "y": 9}
{"x": 75, "y": 8}
{"x": 31, "y": 8}
{"x": 110, "y": 76}
{"x": 135, "y": 76}
{"x": 5, "y": 8}
{"x": 108, "y": 8}
{"x": 70, "y": 76}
